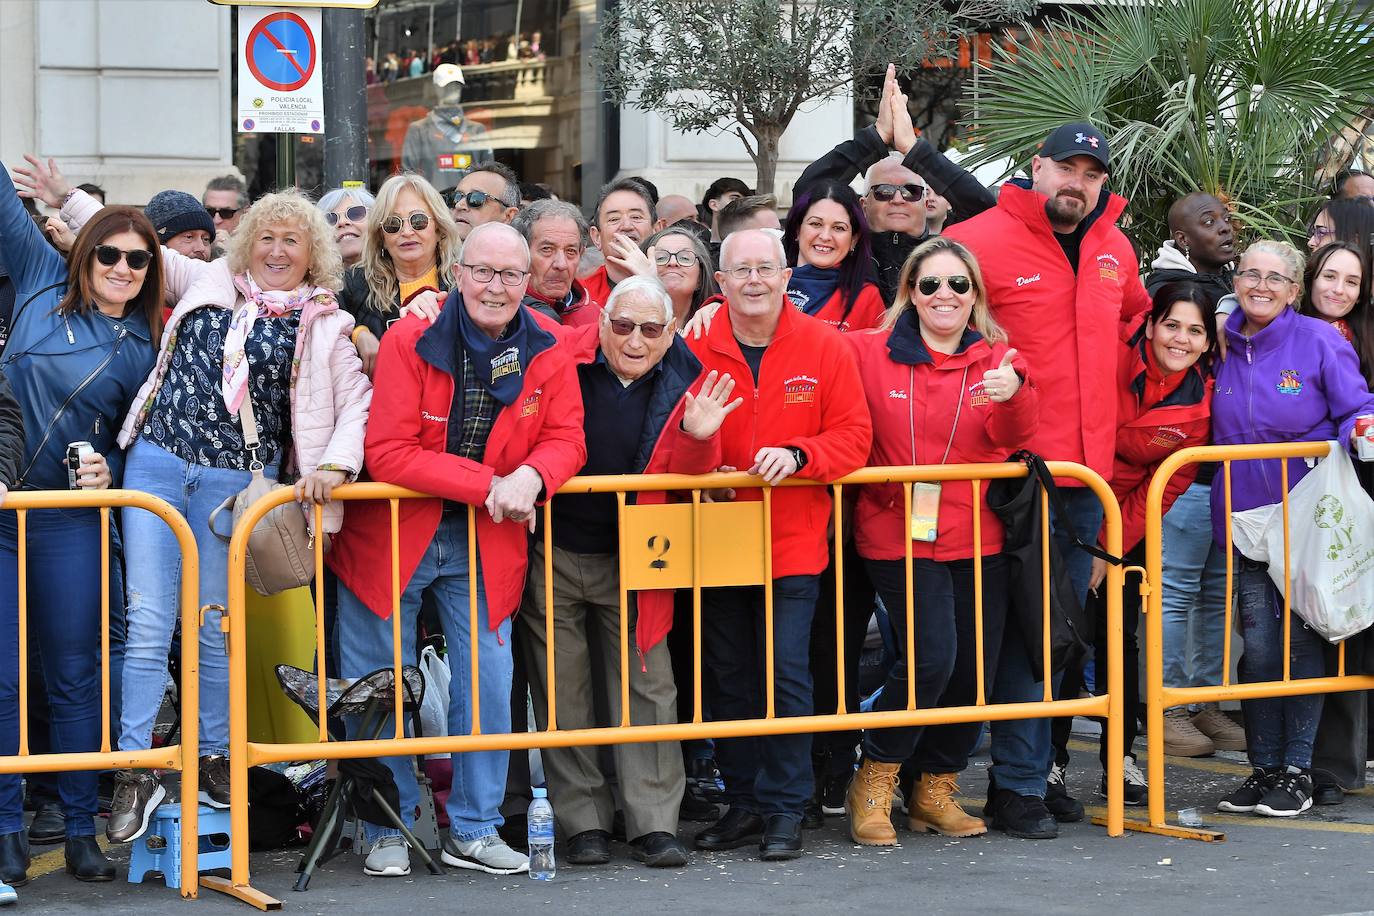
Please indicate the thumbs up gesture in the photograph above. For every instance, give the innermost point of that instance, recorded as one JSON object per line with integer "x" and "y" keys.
{"x": 1002, "y": 383}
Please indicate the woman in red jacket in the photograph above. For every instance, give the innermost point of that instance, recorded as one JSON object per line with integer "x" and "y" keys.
{"x": 1164, "y": 403}
{"x": 943, "y": 388}
{"x": 826, "y": 241}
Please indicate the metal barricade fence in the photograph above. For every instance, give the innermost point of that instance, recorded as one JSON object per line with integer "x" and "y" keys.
{"x": 716, "y": 544}
{"x": 1160, "y": 697}
{"x": 182, "y": 756}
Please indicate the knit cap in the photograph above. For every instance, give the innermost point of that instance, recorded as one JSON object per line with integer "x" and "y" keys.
{"x": 175, "y": 212}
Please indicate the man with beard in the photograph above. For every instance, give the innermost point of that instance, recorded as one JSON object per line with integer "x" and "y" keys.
{"x": 1060, "y": 277}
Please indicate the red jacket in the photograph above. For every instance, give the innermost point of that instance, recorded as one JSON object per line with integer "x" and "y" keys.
{"x": 913, "y": 403}
{"x": 598, "y": 286}
{"x": 1158, "y": 415}
{"x": 406, "y": 445}
{"x": 1064, "y": 325}
{"x": 674, "y": 452}
{"x": 867, "y": 312}
{"x": 809, "y": 396}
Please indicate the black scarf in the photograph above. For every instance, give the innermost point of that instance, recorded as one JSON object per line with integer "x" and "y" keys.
{"x": 498, "y": 364}
{"x": 811, "y": 287}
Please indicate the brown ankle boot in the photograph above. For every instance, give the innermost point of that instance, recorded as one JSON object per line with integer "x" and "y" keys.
{"x": 868, "y": 804}
{"x": 937, "y": 811}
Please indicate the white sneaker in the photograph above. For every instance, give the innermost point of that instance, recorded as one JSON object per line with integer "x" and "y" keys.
{"x": 488, "y": 853}
{"x": 389, "y": 858}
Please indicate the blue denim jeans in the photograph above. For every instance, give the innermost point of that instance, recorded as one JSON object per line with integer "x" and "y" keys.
{"x": 1022, "y": 749}
{"x": 365, "y": 644}
{"x": 1278, "y": 730}
{"x": 769, "y": 775}
{"x": 1192, "y": 592}
{"x": 153, "y": 583}
{"x": 64, "y": 585}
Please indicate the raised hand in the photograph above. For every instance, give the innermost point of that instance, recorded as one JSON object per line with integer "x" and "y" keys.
{"x": 625, "y": 254}
{"x": 903, "y": 131}
{"x": 707, "y": 410}
{"x": 884, "y": 124}
{"x": 1002, "y": 383}
{"x": 41, "y": 182}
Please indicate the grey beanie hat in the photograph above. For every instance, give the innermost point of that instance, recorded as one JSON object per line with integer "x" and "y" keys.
{"x": 175, "y": 212}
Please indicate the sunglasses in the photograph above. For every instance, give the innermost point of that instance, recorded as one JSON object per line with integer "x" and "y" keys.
{"x": 222, "y": 212}
{"x": 624, "y": 327}
{"x": 909, "y": 192}
{"x": 474, "y": 199}
{"x": 109, "y": 255}
{"x": 958, "y": 284}
{"x": 354, "y": 215}
{"x": 392, "y": 224}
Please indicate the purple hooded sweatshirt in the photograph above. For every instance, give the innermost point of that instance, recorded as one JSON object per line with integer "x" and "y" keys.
{"x": 1297, "y": 380}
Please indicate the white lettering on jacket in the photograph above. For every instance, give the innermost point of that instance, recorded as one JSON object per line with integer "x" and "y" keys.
{"x": 894, "y": 393}
{"x": 426, "y": 415}
{"x": 1024, "y": 281}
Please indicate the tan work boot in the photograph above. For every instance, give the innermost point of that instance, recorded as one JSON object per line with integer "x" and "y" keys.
{"x": 937, "y": 811}
{"x": 1223, "y": 731}
{"x": 1181, "y": 736}
{"x": 868, "y": 803}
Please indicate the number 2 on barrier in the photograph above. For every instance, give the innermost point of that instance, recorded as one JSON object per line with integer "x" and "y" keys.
{"x": 658, "y": 545}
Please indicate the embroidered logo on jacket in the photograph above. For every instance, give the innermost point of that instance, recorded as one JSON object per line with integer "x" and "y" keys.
{"x": 977, "y": 394}
{"x": 1107, "y": 267}
{"x": 530, "y": 406}
{"x": 426, "y": 415}
{"x": 799, "y": 389}
{"x": 1026, "y": 281}
{"x": 1289, "y": 382}
{"x": 1168, "y": 437}
{"x": 506, "y": 362}
{"x": 899, "y": 395}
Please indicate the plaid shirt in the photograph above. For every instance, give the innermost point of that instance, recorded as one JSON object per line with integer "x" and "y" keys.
{"x": 478, "y": 414}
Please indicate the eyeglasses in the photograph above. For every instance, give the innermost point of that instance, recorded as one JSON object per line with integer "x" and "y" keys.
{"x": 1253, "y": 277}
{"x": 624, "y": 327}
{"x": 483, "y": 274}
{"x": 109, "y": 255}
{"x": 393, "y": 224}
{"x": 222, "y": 212}
{"x": 958, "y": 284}
{"x": 765, "y": 271}
{"x": 684, "y": 258}
{"x": 1321, "y": 233}
{"x": 353, "y": 214}
{"x": 909, "y": 192}
{"x": 474, "y": 199}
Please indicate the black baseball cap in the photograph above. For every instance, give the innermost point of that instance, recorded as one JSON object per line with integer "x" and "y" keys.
{"x": 1077, "y": 138}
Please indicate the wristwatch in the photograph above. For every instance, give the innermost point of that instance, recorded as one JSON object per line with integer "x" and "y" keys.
{"x": 797, "y": 455}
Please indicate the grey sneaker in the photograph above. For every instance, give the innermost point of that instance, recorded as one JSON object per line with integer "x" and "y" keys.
{"x": 214, "y": 781}
{"x": 390, "y": 858}
{"x": 136, "y": 798}
{"x": 489, "y": 854}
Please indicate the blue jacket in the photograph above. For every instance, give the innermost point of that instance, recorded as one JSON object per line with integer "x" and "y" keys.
{"x": 1297, "y": 380}
{"x": 74, "y": 375}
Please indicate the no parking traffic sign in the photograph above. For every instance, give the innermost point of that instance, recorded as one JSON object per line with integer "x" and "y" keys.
{"x": 280, "y": 86}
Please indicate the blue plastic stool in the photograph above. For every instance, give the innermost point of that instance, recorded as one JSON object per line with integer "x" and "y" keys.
{"x": 164, "y": 855}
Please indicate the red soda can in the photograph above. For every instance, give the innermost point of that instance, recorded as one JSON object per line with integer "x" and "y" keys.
{"x": 1364, "y": 436}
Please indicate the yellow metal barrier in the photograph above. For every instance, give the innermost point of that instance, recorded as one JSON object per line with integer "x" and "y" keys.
{"x": 682, "y": 545}
{"x": 1160, "y": 697}
{"x": 182, "y": 756}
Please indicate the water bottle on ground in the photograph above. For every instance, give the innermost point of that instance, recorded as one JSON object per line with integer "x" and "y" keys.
{"x": 540, "y": 823}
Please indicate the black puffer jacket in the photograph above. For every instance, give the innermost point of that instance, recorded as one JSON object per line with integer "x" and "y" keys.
{"x": 356, "y": 299}
{"x": 11, "y": 434}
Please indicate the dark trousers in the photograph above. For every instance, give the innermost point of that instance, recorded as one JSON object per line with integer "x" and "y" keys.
{"x": 945, "y": 644}
{"x": 1096, "y": 605}
{"x": 768, "y": 775}
{"x": 1342, "y": 744}
{"x": 833, "y": 752}
{"x": 64, "y": 585}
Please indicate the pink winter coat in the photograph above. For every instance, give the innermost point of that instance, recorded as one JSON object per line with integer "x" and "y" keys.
{"x": 330, "y": 395}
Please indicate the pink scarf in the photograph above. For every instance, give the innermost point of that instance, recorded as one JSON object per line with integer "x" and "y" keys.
{"x": 256, "y": 301}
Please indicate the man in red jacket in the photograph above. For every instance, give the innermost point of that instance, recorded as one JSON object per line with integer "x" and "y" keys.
{"x": 1061, "y": 277}
{"x": 806, "y": 416}
{"x": 624, "y": 216}
{"x": 481, "y": 409}
{"x": 638, "y": 379}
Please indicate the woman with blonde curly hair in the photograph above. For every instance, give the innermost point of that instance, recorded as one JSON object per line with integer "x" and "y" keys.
{"x": 412, "y": 245}
{"x": 258, "y": 334}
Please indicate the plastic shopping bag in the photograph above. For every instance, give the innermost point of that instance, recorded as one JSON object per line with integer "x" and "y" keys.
{"x": 434, "y": 707}
{"x": 1331, "y": 535}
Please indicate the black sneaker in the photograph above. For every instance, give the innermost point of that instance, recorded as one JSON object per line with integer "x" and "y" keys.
{"x": 1244, "y": 799}
{"x": 1136, "y": 791}
{"x": 214, "y": 781}
{"x": 1023, "y": 816}
{"x": 1065, "y": 808}
{"x": 1289, "y": 796}
{"x": 813, "y": 818}
{"x": 832, "y": 793}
